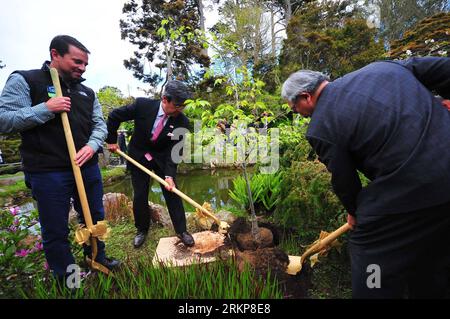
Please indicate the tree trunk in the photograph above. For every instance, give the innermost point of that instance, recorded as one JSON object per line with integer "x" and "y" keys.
{"x": 272, "y": 31}
{"x": 201, "y": 13}
{"x": 288, "y": 12}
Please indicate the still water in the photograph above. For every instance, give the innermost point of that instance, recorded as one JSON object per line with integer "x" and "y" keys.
{"x": 200, "y": 185}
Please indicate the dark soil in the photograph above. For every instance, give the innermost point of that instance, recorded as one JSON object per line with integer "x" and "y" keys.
{"x": 265, "y": 258}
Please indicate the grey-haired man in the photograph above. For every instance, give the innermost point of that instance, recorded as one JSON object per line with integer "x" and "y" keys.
{"x": 385, "y": 121}
{"x": 151, "y": 145}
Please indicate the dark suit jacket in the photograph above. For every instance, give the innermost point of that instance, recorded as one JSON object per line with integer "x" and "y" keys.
{"x": 143, "y": 111}
{"x": 384, "y": 121}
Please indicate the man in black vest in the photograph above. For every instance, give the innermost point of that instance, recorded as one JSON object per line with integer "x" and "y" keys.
{"x": 28, "y": 105}
{"x": 152, "y": 145}
{"x": 384, "y": 121}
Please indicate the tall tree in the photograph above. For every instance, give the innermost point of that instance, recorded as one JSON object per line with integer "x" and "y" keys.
{"x": 163, "y": 31}
{"x": 326, "y": 36}
{"x": 430, "y": 37}
{"x": 243, "y": 25}
{"x": 110, "y": 98}
{"x": 397, "y": 16}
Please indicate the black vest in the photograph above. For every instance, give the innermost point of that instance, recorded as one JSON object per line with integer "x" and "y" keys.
{"x": 44, "y": 147}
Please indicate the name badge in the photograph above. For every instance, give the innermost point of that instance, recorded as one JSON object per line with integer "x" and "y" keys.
{"x": 51, "y": 91}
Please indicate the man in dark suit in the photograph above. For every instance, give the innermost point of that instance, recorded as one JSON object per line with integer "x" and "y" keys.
{"x": 152, "y": 145}
{"x": 385, "y": 122}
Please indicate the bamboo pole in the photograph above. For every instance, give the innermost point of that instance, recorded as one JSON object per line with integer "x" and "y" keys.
{"x": 77, "y": 173}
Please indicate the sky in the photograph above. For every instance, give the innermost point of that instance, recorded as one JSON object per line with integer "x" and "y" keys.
{"x": 28, "y": 26}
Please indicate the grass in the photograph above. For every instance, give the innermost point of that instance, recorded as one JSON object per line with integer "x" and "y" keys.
{"x": 219, "y": 280}
{"x": 138, "y": 278}
{"x": 120, "y": 243}
{"x": 110, "y": 175}
{"x": 3, "y": 176}
{"x": 16, "y": 191}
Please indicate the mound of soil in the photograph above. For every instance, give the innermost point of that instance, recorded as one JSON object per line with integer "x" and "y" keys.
{"x": 265, "y": 258}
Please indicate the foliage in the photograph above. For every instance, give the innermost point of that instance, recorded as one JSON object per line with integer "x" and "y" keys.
{"x": 325, "y": 37}
{"x": 14, "y": 192}
{"x": 265, "y": 190}
{"x": 10, "y": 148}
{"x": 293, "y": 144}
{"x": 242, "y": 23}
{"x": 110, "y": 98}
{"x": 398, "y": 16}
{"x": 2, "y": 65}
{"x": 21, "y": 256}
{"x": 308, "y": 203}
{"x": 164, "y": 32}
{"x": 244, "y": 100}
{"x": 430, "y": 37}
{"x": 144, "y": 280}
{"x": 245, "y": 118}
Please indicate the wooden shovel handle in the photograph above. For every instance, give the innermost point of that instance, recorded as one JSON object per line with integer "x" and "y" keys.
{"x": 164, "y": 183}
{"x": 326, "y": 241}
{"x": 72, "y": 153}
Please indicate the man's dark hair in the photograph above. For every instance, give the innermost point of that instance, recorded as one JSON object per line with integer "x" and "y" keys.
{"x": 61, "y": 44}
{"x": 177, "y": 91}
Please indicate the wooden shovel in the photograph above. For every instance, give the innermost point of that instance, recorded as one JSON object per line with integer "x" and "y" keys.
{"x": 92, "y": 230}
{"x": 296, "y": 262}
{"x": 223, "y": 226}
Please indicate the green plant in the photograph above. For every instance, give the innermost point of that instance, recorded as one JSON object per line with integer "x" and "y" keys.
{"x": 145, "y": 280}
{"x": 308, "y": 202}
{"x": 20, "y": 249}
{"x": 265, "y": 190}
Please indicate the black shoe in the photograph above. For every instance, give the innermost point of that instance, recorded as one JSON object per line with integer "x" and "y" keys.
{"x": 139, "y": 239}
{"x": 111, "y": 264}
{"x": 186, "y": 239}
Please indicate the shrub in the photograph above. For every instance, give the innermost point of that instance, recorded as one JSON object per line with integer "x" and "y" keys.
{"x": 308, "y": 203}
{"x": 21, "y": 257}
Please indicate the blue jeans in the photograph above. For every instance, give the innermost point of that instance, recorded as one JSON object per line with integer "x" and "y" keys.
{"x": 53, "y": 192}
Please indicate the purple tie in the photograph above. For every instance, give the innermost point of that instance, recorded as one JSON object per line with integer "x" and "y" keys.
{"x": 159, "y": 128}
{"x": 155, "y": 135}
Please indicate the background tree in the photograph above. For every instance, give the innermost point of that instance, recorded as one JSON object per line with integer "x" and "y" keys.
{"x": 166, "y": 50}
{"x": 430, "y": 37}
{"x": 1, "y": 64}
{"x": 110, "y": 98}
{"x": 243, "y": 24}
{"x": 326, "y": 36}
{"x": 397, "y": 16}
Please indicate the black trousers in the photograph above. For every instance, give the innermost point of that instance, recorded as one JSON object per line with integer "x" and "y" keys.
{"x": 402, "y": 255}
{"x": 141, "y": 185}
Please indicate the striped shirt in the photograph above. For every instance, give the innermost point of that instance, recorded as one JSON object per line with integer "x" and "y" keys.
{"x": 17, "y": 114}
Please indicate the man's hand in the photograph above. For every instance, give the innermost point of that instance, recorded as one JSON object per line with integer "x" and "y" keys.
{"x": 351, "y": 220}
{"x": 58, "y": 104}
{"x": 84, "y": 155}
{"x": 112, "y": 147}
{"x": 446, "y": 103}
{"x": 169, "y": 180}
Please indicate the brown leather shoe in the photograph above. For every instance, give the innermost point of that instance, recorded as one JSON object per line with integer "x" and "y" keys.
{"x": 186, "y": 239}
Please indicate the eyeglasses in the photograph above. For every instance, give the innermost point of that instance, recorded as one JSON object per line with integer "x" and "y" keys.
{"x": 179, "y": 106}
